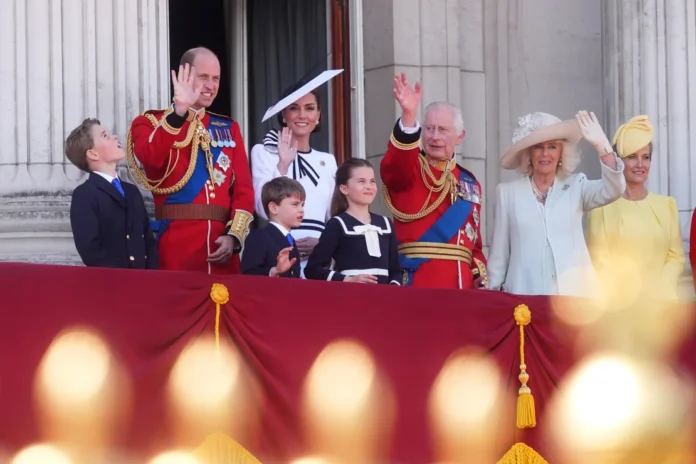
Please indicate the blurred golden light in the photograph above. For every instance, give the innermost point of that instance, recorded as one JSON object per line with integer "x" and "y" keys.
{"x": 41, "y": 454}
{"x": 465, "y": 406}
{"x": 203, "y": 378}
{"x": 175, "y": 457}
{"x": 341, "y": 378}
{"x": 466, "y": 392}
{"x": 75, "y": 367}
{"x": 311, "y": 460}
{"x": 605, "y": 397}
{"x": 616, "y": 409}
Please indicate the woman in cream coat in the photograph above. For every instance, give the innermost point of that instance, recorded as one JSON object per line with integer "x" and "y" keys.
{"x": 538, "y": 245}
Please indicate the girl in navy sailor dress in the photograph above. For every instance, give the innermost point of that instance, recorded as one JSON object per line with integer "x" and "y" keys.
{"x": 362, "y": 245}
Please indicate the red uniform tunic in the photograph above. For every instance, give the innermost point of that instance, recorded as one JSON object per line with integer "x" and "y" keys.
{"x": 162, "y": 141}
{"x": 402, "y": 175}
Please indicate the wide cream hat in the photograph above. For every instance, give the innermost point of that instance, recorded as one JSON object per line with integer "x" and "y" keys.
{"x": 536, "y": 128}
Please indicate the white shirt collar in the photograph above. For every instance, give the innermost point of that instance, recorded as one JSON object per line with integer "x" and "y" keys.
{"x": 281, "y": 228}
{"x": 108, "y": 178}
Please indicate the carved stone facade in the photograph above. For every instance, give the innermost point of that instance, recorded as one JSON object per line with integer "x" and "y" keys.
{"x": 106, "y": 59}
{"x": 498, "y": 59}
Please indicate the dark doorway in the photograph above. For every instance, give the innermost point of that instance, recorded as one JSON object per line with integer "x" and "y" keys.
{"x": 202, "y": 25}
{"x": 287, "y": 42}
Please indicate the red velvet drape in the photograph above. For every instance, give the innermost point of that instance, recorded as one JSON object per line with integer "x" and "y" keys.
{"x": 280, "y": 326}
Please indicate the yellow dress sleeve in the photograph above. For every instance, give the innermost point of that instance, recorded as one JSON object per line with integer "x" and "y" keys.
{"x": 597, "y": 240}
{"x": 676, "y": 258}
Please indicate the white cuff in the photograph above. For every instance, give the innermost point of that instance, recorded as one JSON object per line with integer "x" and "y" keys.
{"x": 409, "y": 130}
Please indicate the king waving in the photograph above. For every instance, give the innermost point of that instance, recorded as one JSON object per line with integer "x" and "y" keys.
{"x": 195, "y": 164}
{"x": 436, "y": 204}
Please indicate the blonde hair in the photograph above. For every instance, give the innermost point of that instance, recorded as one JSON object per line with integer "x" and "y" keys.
{"x": 568, "y": 163}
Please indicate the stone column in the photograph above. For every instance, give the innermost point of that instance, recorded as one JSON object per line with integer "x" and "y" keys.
{"x": 81, "y": 58}
{"x": 649, "y": 62}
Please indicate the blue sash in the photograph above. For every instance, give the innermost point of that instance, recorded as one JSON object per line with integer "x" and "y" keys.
{"x": 196, "y": 183}
{"x": 442, "y": 231}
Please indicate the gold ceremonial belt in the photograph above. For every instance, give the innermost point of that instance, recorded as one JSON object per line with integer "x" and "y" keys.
{"x": 191, "y": 212}
{"x": 434, "y": 250}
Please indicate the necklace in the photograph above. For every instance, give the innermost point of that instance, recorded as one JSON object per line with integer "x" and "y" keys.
{"x": 538, "y": 193}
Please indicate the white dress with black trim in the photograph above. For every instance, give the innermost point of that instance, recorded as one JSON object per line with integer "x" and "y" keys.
{"x": 315, "y": 170}
{"x": 356, "y": 248}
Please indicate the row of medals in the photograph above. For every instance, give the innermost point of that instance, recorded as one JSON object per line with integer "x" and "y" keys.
{"x": 221, "y": 138}
{"x": 469, "y": 192}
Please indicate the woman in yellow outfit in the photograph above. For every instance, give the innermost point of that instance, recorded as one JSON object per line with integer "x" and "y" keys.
{"x": 638, "y": 235}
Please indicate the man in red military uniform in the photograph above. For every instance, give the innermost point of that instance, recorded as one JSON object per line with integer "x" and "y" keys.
{"x": 436, "y": 203}
{"x": 196, "y": 167}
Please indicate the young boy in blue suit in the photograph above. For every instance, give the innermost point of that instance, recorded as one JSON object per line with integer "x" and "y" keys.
{"x": 110, "y": 224}
{"x": 271, "y": 251}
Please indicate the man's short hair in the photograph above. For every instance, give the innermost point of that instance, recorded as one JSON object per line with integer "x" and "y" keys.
{"x": 79, "y": 142}
{"x": 457, "y": 117}
{"x": 190, "y": 55}
{"x": 276, "y": 190}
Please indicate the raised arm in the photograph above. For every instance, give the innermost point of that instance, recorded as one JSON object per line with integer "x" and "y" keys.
{"x": 611, "y": 186}
{"x": 153, "y": 138}
{"x": 399, "y": 166}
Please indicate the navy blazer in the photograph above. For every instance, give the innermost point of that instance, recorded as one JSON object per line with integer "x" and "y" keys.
{"x": 261, "y": 250}
{"x": 110, "y": 230}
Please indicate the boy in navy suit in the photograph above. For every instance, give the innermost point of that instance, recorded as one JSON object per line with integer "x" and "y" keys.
{"x": 272, "y": 251}
{"x": 110, "y": 224}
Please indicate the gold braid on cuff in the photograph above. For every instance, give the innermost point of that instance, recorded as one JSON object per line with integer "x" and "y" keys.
{"x": 239, "y": 225}
{"x": 482, "y": 271}
{"x": 404, "y": 146}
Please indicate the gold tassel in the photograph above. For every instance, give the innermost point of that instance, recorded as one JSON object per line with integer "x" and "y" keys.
{"x": 220, "y": 295}
{"x": 526, "y": 414}
{"x": 522, "y": 454}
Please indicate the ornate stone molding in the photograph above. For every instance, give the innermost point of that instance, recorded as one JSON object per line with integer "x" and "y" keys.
{"x": 106, "y": 59}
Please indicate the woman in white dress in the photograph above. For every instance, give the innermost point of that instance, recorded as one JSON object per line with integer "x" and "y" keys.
{"x": 289, "y": 154}
{"x": 538, "y": 246}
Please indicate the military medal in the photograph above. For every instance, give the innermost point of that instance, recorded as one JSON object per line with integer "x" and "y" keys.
{"x": 213, "y": 142}
{"x": 470, "y": 232}
{"x": 476, "y": 217}
{"x": 224, "y": 162}
{"x": 218, "y": 177}
{"x": 232, "y": 143}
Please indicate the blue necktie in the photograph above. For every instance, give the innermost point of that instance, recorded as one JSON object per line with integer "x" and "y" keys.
{"x": 292, "y": 242}
{"x": 117, "y": 183}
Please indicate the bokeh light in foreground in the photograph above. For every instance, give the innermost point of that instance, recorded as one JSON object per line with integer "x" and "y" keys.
{"x": 340, "y": 379}
{"x": 465, "y": 407}
{"x": 615, "y": 407}
{"x": 311, "y": 460}
{"x": 175, "y": 457}
{"x": 81, "y": 392}
{"x": 75, "y": 368}
{"x": 347, "y": 407}
{"x": 203, "y": 379}
{"x": 42, "y": 454}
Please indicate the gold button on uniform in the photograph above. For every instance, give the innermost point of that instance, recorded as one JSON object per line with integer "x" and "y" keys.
{"x": 132, "y": 258}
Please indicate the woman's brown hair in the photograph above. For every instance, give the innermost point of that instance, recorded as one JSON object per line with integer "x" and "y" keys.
{"x": 339, "y": 202}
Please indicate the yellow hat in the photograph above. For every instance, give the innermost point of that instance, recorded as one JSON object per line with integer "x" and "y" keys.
{"x": 632, "y": 136}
